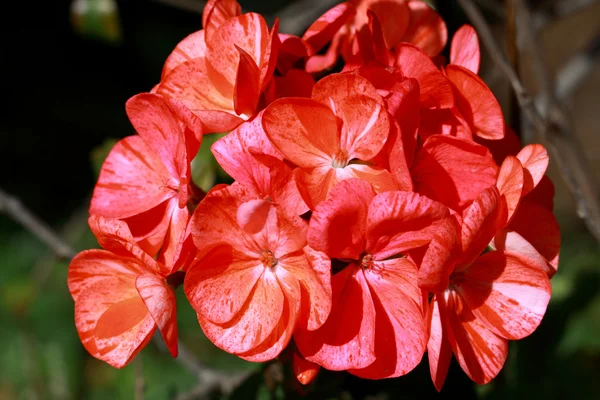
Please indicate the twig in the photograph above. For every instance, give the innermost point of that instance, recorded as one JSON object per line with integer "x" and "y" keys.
{"x": 573, "y": 72}
{"x": 13, "y": 207}
{"x": 514, "y": 114}
{"x": 139, "y": 379}
{"x": 552, "y": 127}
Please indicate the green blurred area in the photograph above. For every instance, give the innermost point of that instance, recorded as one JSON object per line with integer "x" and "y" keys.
{"x": 41, "y": 356}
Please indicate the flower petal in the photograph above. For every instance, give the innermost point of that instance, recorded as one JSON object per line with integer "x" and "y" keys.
{"x": 453, "y": 171}
{"x": 347, "y": 206}
{"x": 112, "y": 321}
{"x": 160, "y": 301}
{"x": 510, "y": 184}
{"x": 534, "y": 158}
{"x": 325, "y": 27}
{"x": 439, "y": 258}
{"x": 464, "y": 50}
{"x": 345, "y": 341}
{"x": 439, "y": 351}
{"x": 193, "y": 46}
{"x": 427, "y": 30}
{"x": 477, "y": 103}
{"x": 335, "y": 88}
{"x": 132, "y": 180}
{"x": 304, "y": 371}
{"x": 506, "y": 293}
{"x": 436, "y": 91}
{"x": 246, "y": 90}
{"x": 296, "y": 83}
{"x": 305, "y": 131}
{"x": 480, "y": 353}
{"x": 399, "y": 221}
{"x": 216, "y": 12}
{"x": 400, "y": 334}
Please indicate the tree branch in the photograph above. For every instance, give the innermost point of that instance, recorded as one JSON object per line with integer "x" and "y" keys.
{"x": 13, "y": 207}
{"x": 552, "y": 125}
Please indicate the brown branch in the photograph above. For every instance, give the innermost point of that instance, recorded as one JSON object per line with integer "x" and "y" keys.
{"x": 552, "y": 126}
{"x": 13, "y": 207}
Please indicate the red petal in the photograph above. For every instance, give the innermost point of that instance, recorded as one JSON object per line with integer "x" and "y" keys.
{"x": 218, "y": 121}
{"x": 132, "y": 180}
{"x": 269, "y": 61}
{"x": 346, "y": 339}
{"x": 444, "y": 122}
{"x": 174, "y": 241}
{"x": 510, "y": 184}
{"x": 453, "y": 171}
{"x": 190, "y": 84}
{"x": 149, "y": 229}
{"x": 216, "y": 12}
{"x": 427, "y": 29}
{"x": 512, "y": 242}
{"x": 296, "y": 83}
{"x": 279, "y": 339}
{"x": 506, "y": 293}
{"x": 324, "y": 28}
{"x": 233, "y": 154}
{"x": 168, "y": 128}
{"x": 438, "y": 347}
{"x": 248, "y": 32}
{"x": 436, "y": 91}
{"x": 480, "y": 352}
{"x": 347, "y": 206}
{"x": 112, "y": 321}
{"x": 247, "y": 90}
{"x": 319, "y": 63}
{"x": 534, "y": 158}
{"x": 476, "y": 103}
{"x": 305, "y": 131}
{"x": 304, "y": 370}
{"x": 509, "y": 145}
{"x": 254, "y": 323}
{"x": 481, "y": 220}
{"x": 543, "y": 194}
{"x": 439, "y": 259}
{"x": 335, "y": 88}
{"x": 393, "y": 15}
{"x": 464, "y": 50}
{"x": 400, "y": 334}
{"x": 539, "y": 227}
{"x": 314, "y": 184}
{"x": 400, "y": 221}
{"x": 292, "y": 49}
{"x": 252, "y": 215}
{"x": 114, "y": 235}
{"x": 365, "y": 126}
{"x": 160, "y": 301}
{"x": 193, "y": 46}
{"x": 404, "y": 105}
{"x": 381, "y": 179}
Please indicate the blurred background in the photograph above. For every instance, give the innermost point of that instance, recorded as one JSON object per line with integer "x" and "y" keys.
{"x": 68, "y": 68}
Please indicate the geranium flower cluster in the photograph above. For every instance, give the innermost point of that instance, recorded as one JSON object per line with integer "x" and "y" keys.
{"x": 378, "y": 214}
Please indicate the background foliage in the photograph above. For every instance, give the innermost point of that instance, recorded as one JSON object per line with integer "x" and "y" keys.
{"x": 67, "y": 83}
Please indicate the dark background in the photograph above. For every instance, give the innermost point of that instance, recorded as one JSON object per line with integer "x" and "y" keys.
{"x": 65, "y": 86}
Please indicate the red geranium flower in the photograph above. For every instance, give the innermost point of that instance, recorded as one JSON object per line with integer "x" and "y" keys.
{"x": 251, "y": 288}
{"x": 220, "y": 72}
{"x": 376, "y": 328}
{"x": 120, "y": 296}
{"x": 332, "y": 136}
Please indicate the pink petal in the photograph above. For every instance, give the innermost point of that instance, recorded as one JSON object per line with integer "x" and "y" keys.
{"x": 453, "y": 171}
{"x": 534, "y": 158}
{"x": 193, "y": 46}
{"x": 111, "y": 319}
{"x": 481, "y": 220}
{"x": 480, "y": 353}
{"x": 336, "y": 88}
{"x": 439, "y": 258}
{"x": 255, "y": 322}
{"x": 427, "y": 29}
{"x": 477, "y": 103}
{"x": 510, "y": 184}
{"x": 400, "y": 334}
{"x": 381, "y": 179}
{"x": 304, "y": 371}
{"x": 506, "y": 293}
{"x": 174, "y": 246}
{"x": 160, "y": 301}
{"x": 436, "y": 91}
{"x": 347, "y": 206}
{"x": 512, "y": 242}
{"x": 247, "y": 90}
{"x": 324, "y": 28}
{"x": 248, "y": 32}
{"x": 216, "y": 12}
{"x": 345, "y": 341}
{"x": 314, "y": 184}
{"x": 305, "y": 131}
{"x": 404, "y": 105}
{"x": 399, "y": 221}
{"x": 439, "y": 351}
{"x": 464, "y": 50}
{"x": 132, "y": 180}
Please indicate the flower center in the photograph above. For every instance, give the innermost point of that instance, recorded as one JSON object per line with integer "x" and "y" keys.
{"x": 340, "y": 160}
{"x": 268, "y": 259}
{"x": 366, "y": 262}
